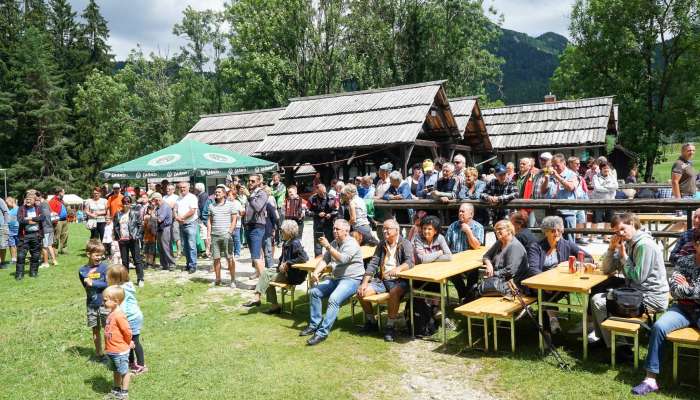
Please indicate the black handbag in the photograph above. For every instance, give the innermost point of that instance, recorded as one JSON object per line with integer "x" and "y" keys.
{"x": 493, "y": 286}
{"x": 625, "y": 302}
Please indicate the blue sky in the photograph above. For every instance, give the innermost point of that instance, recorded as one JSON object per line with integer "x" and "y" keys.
{"x": 150, "y": 22}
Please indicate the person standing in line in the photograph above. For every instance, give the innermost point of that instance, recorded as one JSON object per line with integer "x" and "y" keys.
{"x": 13, "y": 228}
{"x": 171, "y": 199}
{"x": 238, "y": 208}
{"x": 4, "y": 233}
{"x": 221, "y": 224}
{"x": 128, "y": 227}
{"x": 255, "y": 219}
{"x": 203, "y": 202}
{"x": 186, "y": 216}
{"x": 294, "y": 208}
{"x": 683, "y": 174}
{"x": 279, "y": 193}
{"x": 96, "y": 213}
{"x": 560, "y": 183}
{"x": 47, "y": 250}
{"x": 60, "y": 227}
{"x": 324, "y": 211}
{"x": 30, "y": 236}
{"x": 164, "y": 217}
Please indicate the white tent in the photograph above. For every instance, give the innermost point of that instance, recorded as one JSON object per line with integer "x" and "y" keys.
{"x": 71, "y": 200}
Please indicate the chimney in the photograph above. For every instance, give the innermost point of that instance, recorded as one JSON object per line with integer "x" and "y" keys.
{"x": 550, "y": 98}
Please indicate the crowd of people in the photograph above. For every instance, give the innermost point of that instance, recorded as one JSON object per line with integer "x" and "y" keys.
{"x": 133, "y": 230}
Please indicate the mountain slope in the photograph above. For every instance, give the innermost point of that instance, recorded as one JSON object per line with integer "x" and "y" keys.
{"x": 529, "y": 63}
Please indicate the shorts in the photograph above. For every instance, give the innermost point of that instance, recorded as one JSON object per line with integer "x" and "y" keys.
{"x": 13, "y": 240}
{"x": 118, "y": 363}
{"x": 221, "y": 246}
{"x": 97, "y": 317}
{"x": 149, "y": 248}
{"x": 48, "y": 239}
{"x": 385, "y": 286}
{"x": 4, "y": 237}
{"x": 580, "y": 217}
{"x": 255, "y": 235}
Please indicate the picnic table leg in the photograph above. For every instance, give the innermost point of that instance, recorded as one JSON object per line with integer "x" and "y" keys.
{"x": 469, "y": 331}
{"x": 539, "y": 317}
{"x": 443, "y": 299}
{"x": 410, "y": 306}
{"x": 495, "y": 335}
{"x": 512, "y": 334}
{"x": 584, "y": 328}
{"x": 675, "y": 363}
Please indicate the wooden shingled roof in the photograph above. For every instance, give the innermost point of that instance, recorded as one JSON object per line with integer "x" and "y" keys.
{"x": 362, "y": 119}
{"x": 241, "y": 132}
{"x": 568, "y": 123}
{"x": 471, "y": 123}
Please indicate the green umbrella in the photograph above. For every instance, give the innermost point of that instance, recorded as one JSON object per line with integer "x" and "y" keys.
{"x": 188, "y": 158}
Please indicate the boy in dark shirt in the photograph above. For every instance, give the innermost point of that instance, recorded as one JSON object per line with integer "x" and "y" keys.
{"x": 93, "y": 277}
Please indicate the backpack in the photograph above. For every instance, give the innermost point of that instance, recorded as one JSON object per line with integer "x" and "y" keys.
{"x": 625, "y": 302}
{"x": 423, "y": 320}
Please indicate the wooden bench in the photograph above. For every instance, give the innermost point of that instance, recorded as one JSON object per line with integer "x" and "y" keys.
{"x": 497, "y": 308}
{"x": 284, "y": 289}
{"x": 688, "y": 338}
{"x": 630, "y": 328}
{"x": 378, "y": 299}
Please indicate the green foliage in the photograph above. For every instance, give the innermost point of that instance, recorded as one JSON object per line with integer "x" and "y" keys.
{"x": 94, "y": 39}
{"x": 644, "y": 53}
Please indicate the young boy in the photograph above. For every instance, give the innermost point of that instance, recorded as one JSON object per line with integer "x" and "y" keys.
{"x": 93, "y": 277}
{"x": 118, "y": 342}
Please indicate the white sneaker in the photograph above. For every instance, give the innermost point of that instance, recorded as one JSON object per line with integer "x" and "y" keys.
{"x": 593, "y": 338}
{"x": 233, "y": 285}
{"x": 44, "y": 265}
{"x": 141, "y": 284}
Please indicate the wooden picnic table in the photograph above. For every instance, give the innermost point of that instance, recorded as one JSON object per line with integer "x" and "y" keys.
{"x": 673, "y": 223}
{"x": 441, "y": 272}
{"x": 559, "y": 279}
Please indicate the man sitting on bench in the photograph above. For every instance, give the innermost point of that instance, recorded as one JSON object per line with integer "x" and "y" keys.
{"x": 393, "y": 255}
{"x": 685, "y": 288}
{"x": 345, "y": 259}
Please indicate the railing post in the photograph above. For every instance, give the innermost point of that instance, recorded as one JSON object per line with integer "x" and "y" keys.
{"x": 689, "y": 218}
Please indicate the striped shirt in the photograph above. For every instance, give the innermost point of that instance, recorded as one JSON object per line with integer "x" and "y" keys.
{"x": 220, "y": 216}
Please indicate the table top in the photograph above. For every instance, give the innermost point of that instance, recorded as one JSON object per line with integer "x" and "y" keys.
{"x": 661, "y": 218}
{"x": 440, "y": 271}
{"x": 559, "y": 279}
{"x": 367, "y": 251}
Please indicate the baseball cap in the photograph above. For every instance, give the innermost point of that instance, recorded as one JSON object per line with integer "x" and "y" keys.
{"x": 428, "y": 165}
{"x": 156, "y": 196}
{"x": 222, "y": 186}
{"x": 546, "y": 155}
{"x": 116, "y": 186}
{"x": 387, "y": 167}
{"x": 500, "y": 169}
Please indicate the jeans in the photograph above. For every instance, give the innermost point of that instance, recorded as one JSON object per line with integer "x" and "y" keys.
{"x": 237, "y": 242}
{"x": 188, "y": 236}
{"x": 255, "y": 235}
{"x": 132, "y": 246}
{"x": 337, "y": 291}
{"x": 675, "y": 318}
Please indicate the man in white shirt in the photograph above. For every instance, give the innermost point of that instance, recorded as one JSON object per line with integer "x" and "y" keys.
{"x": 186, "y": 208}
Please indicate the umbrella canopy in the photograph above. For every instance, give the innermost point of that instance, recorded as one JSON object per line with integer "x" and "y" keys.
{"x": 188, "y": 158}
{"x": 70, "y": 199}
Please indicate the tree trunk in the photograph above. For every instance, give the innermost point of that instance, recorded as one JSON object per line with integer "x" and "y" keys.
{"x": 649, "y": 170}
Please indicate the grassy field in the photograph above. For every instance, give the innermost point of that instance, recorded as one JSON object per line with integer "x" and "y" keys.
{"x": 201, "y": 345}
{"x": 662, "y": 169}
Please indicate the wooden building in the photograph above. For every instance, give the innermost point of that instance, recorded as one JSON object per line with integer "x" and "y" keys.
{"x": 354, "y": 132}
{"x": 572, "y": 127}
{"x": 241, "y": 132}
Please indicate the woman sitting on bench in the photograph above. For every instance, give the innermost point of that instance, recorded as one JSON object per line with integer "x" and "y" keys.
{"x": 685, "y": 288}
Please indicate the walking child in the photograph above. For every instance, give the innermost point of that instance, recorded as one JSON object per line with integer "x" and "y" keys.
{"x": 118, "y": 275}
{"x": 93, "y": 277}
{"x": 118, "y": 342}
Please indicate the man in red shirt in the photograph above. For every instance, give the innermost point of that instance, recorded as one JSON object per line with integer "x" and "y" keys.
{"x": 60, "y": 225}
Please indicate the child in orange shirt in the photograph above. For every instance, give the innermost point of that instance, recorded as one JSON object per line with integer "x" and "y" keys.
{"x": 118, "y": 342}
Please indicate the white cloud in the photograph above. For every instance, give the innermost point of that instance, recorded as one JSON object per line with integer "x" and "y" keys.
{"x": 534, "y": 17}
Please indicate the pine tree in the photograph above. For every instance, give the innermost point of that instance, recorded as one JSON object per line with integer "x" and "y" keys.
{"x": 64, "y": 32}
{"x": 40, "y": 145}
{"x": 35, "y": 13}
{"x": 94, "y": 39}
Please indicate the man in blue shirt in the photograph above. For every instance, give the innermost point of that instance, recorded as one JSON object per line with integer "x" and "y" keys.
{"x": 462, "y": 235}
{"x": 561, "y": 183}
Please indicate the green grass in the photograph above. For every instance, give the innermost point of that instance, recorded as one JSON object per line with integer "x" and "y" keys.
{"x": 662, "y": 169}
{"x": 201, "y": 345}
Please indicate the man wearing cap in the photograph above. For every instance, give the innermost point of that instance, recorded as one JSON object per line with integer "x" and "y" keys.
{"x": 114, "y": 201}
{"x": 499, "y": 191}
{"x": 559, "y": 182}
{"x": 164, "y": 216}
{"x": 427, "y": 181}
